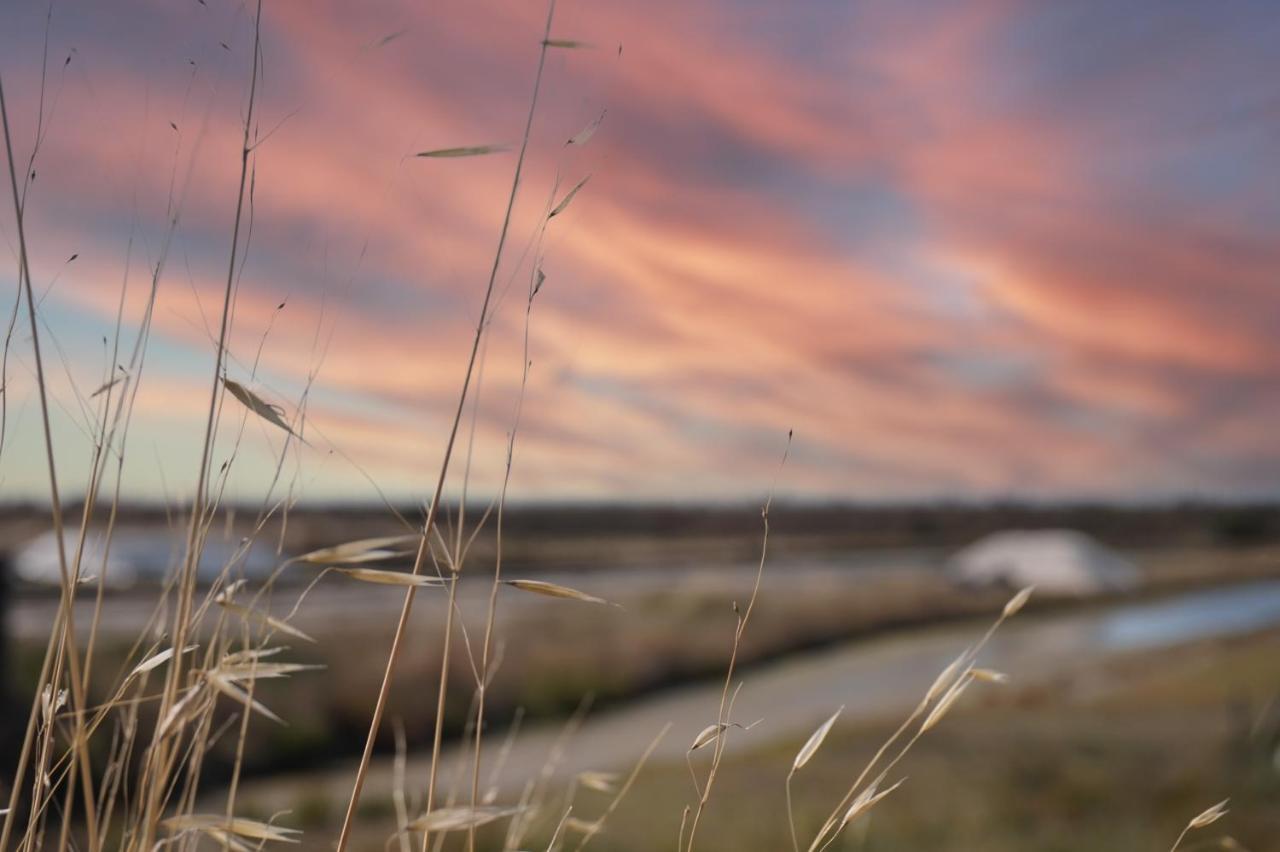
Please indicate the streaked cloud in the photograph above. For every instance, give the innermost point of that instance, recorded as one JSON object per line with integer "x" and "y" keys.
{"x": 967, "y": 250}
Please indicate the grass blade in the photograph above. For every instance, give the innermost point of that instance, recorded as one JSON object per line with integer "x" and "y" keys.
{"x": 456, "y": 819}
{"x": 270, "y": 621}
{"x": 552, "y": 590}
{"x": 814, "y": 742}
{"x": 239, "y": 826}
{"x": 389, "y": 578}
{"x": 361, "y": 550}
{"x": 585, "y": 134}
{"x": 564, "y": 202}
{"x": 235, "y": 693}
{"x": 269, "y": 412}
{"x": 156, "y": 660}
{"x": 466, "y": 151}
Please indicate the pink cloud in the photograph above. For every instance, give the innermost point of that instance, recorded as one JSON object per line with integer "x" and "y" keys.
{"x": 715, "y": 283}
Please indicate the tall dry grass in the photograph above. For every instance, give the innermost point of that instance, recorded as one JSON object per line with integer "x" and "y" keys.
{"x": 129, "y": 772}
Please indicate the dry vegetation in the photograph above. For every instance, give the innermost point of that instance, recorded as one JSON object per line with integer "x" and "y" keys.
{"x": 122, "y": 743}
{"x": 1111, "y": 758}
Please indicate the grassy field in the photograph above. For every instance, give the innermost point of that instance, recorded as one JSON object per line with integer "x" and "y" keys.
{"x": 1106, "y": 753}
{"x": 1112, "y": 759}
{"x": 664, "y": 634}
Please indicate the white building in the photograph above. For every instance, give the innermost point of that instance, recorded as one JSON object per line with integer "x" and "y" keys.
{"x": 1056, "y": 562}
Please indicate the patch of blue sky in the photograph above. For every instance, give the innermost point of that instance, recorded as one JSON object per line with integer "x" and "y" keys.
{"x": 813, "y": 34}
{"x": 1081, "y": 55}
{"x": 881, "y": 227}
{"x": 867, "y": 213}
{"x": 986, "y": 370}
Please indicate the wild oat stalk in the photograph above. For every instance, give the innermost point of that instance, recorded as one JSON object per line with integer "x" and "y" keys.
{"x": 1206, "y": 817}
{"x": 723, "y": 722}
{"x": 597, "y": 825}
{"x": 483, "y": 675}
{"x": 160, "y": 753}
{"x": 65, "y": 622}
{"x": 938, "y": 700}
{"x": 428, "y": 526}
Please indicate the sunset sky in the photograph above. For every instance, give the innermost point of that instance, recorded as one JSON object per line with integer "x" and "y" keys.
{"x": 965, "y": 250}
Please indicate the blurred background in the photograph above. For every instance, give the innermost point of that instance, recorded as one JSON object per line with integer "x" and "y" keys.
{"x": 1007, "y": 269}
{"x": 1143, "y": 675}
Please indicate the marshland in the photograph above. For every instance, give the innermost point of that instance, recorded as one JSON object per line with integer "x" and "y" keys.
{"x": 630, "y": 426}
